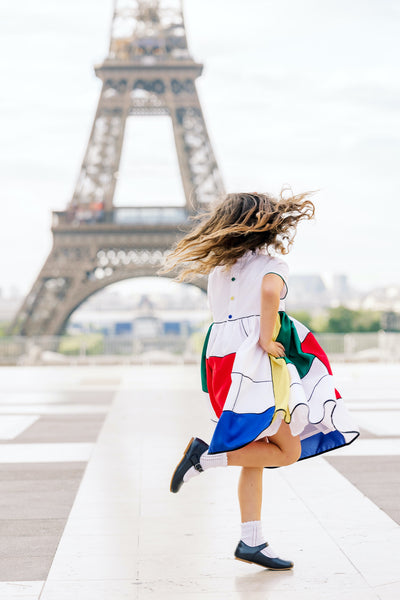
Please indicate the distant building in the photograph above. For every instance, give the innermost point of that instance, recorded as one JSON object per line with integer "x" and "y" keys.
{"x": 340, "y": 291}
{"x": 390, "y": 321}
{"x": 307, "y": 292}
{"x": 312, "y": 293}
{"x": 383, "y": 299}
{"x": 136, "y": 322}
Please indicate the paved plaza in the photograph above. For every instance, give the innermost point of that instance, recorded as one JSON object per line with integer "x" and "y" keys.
{"x": 86, "y": 456}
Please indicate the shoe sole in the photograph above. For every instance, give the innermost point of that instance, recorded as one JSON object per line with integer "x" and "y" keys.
{"x": 178, "y": 465}
{"x": 250, "y": 562}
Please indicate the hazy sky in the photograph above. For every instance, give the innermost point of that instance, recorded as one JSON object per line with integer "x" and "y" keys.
{"x": 301, "y": 93}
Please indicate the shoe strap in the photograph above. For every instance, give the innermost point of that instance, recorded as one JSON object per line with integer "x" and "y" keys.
{"x": 255, "y": 549}
{"x": 261, "y": 547}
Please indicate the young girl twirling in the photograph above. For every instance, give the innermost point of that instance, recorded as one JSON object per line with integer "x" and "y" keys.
{"x": 269, "y": 382}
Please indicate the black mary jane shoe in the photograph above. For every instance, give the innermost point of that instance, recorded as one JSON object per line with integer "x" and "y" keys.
{"x": 252, "y": 554}
{"x": 191, "y": 458}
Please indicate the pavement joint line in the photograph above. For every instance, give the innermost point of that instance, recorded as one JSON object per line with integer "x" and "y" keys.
{"x": 14, "y": 590}
{"x": 358, "y": 506}
{"x": 373, "y": 407}
{"x": 381, "y": 446}
{"x": 11, "y": 426}
{"x": 46, "y": 452}
{"x": 321, "y": 522}
{"x": 54, "y": 409}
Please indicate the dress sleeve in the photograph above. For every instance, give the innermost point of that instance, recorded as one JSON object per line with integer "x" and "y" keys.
{"x": 210, "y": 295}
{"x": 279, "y": 267}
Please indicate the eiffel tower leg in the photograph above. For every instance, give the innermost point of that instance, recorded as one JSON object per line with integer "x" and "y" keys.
{"x": 199, "y": 171}
{"x": 46, "y": 307}
{"x": 41, "y": 304}
{"x": 80, "y": 265}
{"x": 98, "y": 175}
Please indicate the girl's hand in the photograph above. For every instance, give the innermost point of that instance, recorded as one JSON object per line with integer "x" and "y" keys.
{"x": 271, "y": 288}
{"x": 274, "y": 348}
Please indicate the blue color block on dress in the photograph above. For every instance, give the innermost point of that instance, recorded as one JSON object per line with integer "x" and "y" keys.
{"x": 235, "y": 430}
{"x": 321, "y": 442}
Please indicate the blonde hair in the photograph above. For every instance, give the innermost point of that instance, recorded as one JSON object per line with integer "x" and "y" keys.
{"x": 238, "y": 223}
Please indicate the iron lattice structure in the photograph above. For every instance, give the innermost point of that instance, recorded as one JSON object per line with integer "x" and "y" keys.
{"x": 148, "y": 71}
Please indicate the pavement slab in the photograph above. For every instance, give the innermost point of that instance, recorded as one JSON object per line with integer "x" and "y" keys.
{"x": 124, "y": 535}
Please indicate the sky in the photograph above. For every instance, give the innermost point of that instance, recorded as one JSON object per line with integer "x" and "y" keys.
{"x": 305, "y": 94}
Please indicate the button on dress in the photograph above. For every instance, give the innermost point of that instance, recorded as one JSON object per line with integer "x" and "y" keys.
{"x": 250, "y": 391}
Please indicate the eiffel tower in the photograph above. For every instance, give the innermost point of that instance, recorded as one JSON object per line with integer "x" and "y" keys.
{"x": 148, "y": 71}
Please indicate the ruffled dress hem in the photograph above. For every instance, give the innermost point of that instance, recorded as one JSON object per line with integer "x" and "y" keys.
{"x": 251, "y": 392}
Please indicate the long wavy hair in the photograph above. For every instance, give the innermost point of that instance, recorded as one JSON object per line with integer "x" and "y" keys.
{"x": 236, "y": 224}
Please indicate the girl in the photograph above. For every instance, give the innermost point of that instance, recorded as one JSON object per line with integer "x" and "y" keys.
{"x": 269, "y": 382}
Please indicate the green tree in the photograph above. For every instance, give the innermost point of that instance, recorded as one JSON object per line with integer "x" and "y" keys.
{"x": 344, "y": 320}
{"x": 367, "y": 320}
{"x": 303, "y": 316}
{"x": 3, "y": 329}
{"x": 319, "y": 322}
{"x": 340, "y": 320}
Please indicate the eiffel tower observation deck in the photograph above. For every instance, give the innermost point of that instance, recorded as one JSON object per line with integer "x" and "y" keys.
{"x": 148, "y": 71}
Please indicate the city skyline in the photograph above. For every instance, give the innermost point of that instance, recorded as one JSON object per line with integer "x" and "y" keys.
{"x": 280, "y": 108}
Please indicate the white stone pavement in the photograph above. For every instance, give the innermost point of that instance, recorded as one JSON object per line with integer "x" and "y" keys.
{"x": 128, "y": 537}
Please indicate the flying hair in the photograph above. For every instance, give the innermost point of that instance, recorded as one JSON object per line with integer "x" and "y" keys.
{"x": 234, "y": 225}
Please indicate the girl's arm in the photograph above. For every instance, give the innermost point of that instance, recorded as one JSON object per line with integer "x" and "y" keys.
{"x": 271, "y": 289}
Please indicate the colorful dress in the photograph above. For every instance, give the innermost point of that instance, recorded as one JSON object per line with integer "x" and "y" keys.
{"x": 250, "y": 391}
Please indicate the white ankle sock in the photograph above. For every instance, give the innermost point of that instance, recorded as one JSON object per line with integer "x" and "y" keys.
{"x": 213, "y": 460}
{"x": 252, "y": 535}
{"x": 207, "y": 461}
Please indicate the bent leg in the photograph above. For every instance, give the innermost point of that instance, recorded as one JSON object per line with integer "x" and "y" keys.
{"x": 289, "y": 444}
{"x": 283, "y": 449}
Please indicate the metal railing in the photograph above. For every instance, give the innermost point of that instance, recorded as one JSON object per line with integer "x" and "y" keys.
{"x": 380, "y": 346}
{"x": 129, "y": 215}
{"x": 75, "y": 348}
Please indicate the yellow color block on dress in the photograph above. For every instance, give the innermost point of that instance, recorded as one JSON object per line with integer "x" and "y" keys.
{"x": 280, "y": 379}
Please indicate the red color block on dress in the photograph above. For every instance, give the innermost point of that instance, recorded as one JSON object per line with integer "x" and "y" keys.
{"x": 219, "y": 369}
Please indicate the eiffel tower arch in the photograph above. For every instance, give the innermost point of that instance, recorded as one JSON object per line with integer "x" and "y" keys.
{"x": 148, "y": 71}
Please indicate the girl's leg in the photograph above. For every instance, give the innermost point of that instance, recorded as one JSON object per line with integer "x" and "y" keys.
{"x": 250, "y": 493}
{"x": 283, "y": 449}
{"x": 252, "y": 546}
